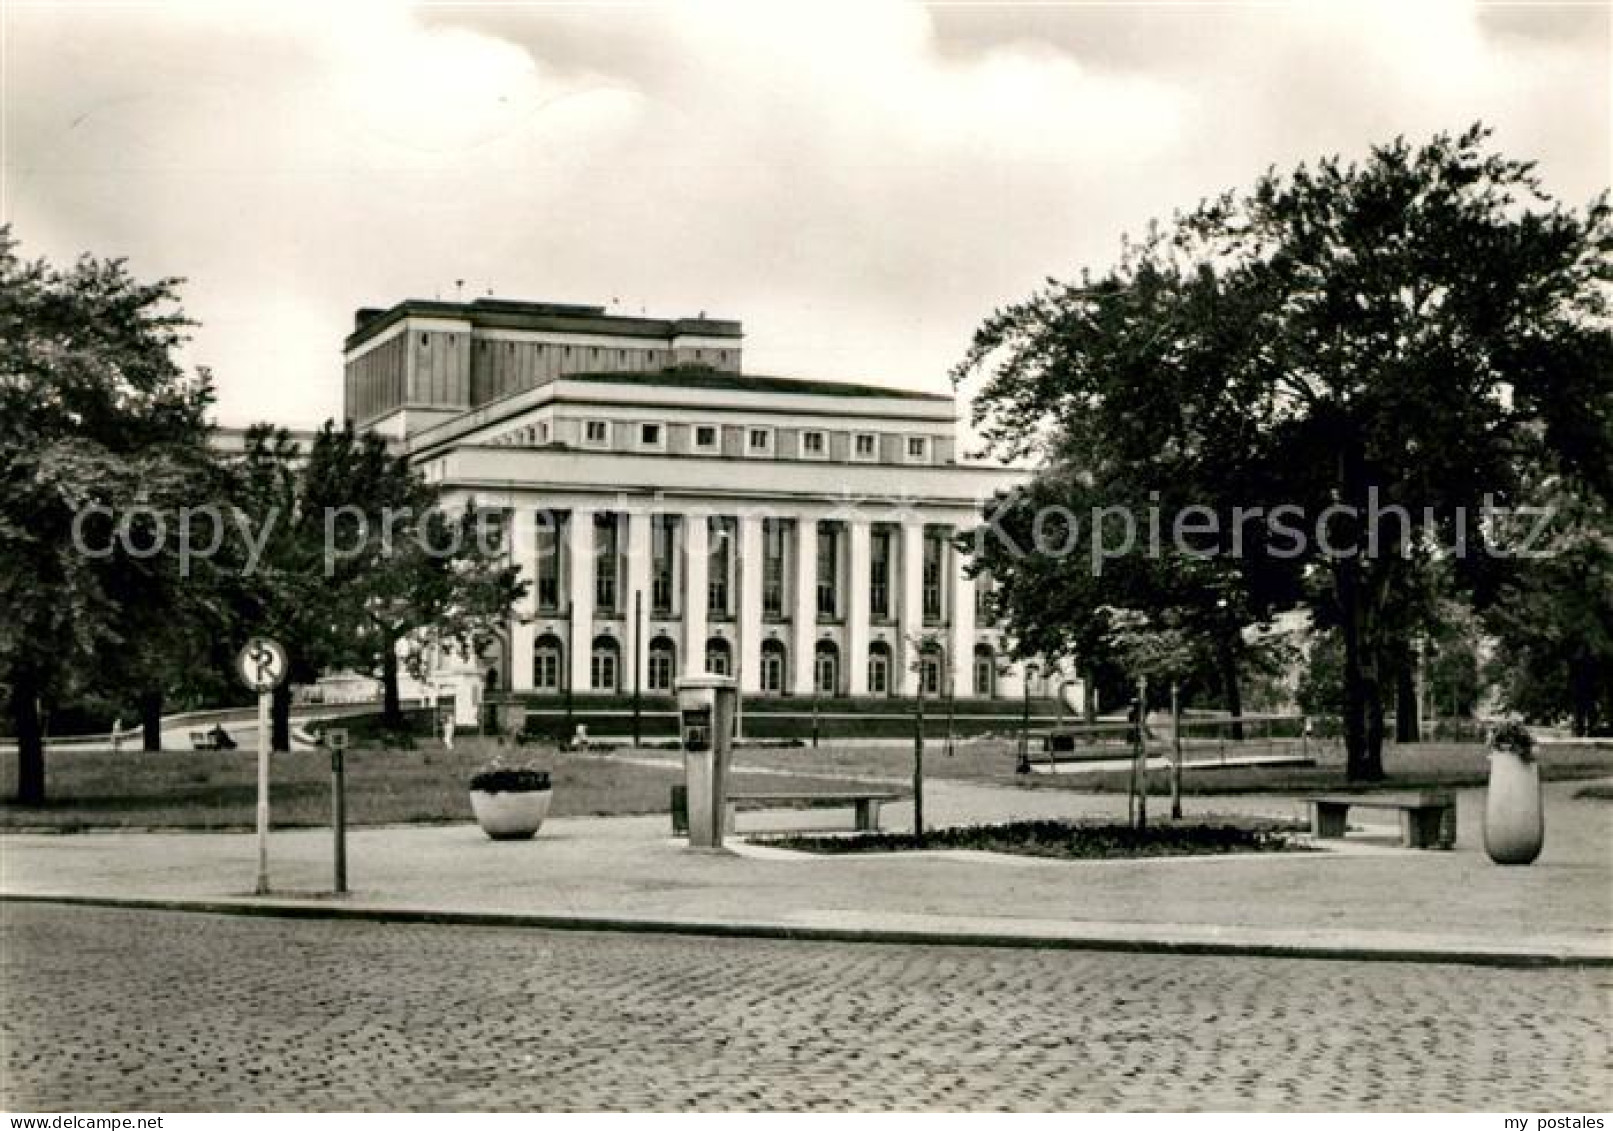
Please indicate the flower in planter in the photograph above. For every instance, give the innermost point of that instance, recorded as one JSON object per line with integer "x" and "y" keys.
{"x": 1514, "y": 737}
{"x": 498, "y": 778}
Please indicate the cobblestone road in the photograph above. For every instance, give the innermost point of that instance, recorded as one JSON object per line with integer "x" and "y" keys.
{"x": 125, "y": 1010}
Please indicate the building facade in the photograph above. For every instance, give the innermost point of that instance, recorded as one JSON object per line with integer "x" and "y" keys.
{"x": 676, "y": 515}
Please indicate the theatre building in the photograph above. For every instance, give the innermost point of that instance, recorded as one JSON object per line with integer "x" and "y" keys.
{"x": 687, "y": 516}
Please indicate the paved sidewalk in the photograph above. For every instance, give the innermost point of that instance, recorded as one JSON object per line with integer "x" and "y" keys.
{"x": 1366, "y": 899}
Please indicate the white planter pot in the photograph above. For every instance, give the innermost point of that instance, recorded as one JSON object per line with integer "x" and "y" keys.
{"x": 1514, "y": 821}
{"x": 511, "y": 815}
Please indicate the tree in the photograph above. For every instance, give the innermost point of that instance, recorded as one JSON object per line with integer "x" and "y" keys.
{"x": 279, "y": 589}
{"x": 1553, "y": 621}
{"x": 405, "y": 578}
{"x": 101, "y": 434}
{"x": 1416, "y": 331}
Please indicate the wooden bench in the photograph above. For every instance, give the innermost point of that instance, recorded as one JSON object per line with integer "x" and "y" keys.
{"x": 1427, "y": 820}
{"x": 864, "y": 804}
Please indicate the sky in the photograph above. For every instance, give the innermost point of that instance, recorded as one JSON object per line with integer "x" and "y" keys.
{"x": 861, "y": 184}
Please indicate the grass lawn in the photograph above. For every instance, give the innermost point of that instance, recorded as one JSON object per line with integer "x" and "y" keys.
{"x": 1065, "y": 840}
{"x": 985, "y": 760}
{"x": 1425, "y": 765}
{"x": 198, "y": 790}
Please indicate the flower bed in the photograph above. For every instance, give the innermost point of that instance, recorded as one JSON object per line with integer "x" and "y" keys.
{"x": 1065, "y": 840}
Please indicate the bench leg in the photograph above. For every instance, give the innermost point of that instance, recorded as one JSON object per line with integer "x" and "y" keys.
{"x": 867, "y": 815}
{"x": 1327, "y": 820}
{"x": 1421, "y": 828}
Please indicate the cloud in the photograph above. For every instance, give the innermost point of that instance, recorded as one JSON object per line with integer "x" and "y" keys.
{"x": 860, "y": 183}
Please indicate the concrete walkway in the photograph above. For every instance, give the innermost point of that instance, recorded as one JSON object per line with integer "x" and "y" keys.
{"x": 1363, "y": 898}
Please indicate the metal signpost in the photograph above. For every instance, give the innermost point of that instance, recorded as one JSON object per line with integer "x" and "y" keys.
{"x": 337, "y": 740}
{"x": 262, "y": 666}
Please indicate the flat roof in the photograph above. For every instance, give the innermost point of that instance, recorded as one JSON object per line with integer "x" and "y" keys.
{"x": 514, "y": 314}
{"x": 692, "y": 377}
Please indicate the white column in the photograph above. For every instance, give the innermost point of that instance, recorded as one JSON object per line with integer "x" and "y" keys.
{"x": 524, "y": 551}
{"x": 912, "y": 608}
{"x": 638, "y": 582}
{"x": 806, "y": 605}
{"x": 856, "y": 605}
{"x": 580, "y": 546}
{"x": 748, "y": 567}
{"x": 696, "y": 559}
{"x": 963, "y": 625}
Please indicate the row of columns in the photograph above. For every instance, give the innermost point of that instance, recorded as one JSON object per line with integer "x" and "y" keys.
{"x": 958, "y": 636}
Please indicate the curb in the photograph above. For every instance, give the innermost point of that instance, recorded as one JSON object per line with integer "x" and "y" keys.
{"x": 316, "y": 908}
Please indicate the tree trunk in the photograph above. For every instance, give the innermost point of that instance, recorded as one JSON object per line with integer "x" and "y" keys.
{"x": 280, "y": 719}
{"x": 391, "y": 705}
{"x": 1406, "y": 720}
{"x": 1363, "y": 698}
{"x": 30, "y": 740}
{"x": 1232, "y": 690}
{"x": 1582, "y": 695}
{"x": 1089, "y": 698}
{"x": 151, "y": 720}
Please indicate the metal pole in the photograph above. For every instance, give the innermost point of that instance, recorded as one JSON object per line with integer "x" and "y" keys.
{"x": 737, "y": 545}
{"x": 1025, "y": 720}
{"x": 918, "y": 760}
{"x": 1142, "y": 753}
{"x": 338, "y": 795}
{"x": 1176, "y": 752}
{"x": 638, "y": 645}
{"x": 263, "y": 793}
{"x": 815, "y": 694}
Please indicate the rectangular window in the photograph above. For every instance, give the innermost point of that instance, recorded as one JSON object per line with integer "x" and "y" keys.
{"x": 814, "y": 445}
{"x": 865, "y": 447}
{"x": 663, "y": 564}
{"x": 759, "y": 441}
{"x": 606, "y": 565}
{"x": 878, "y": 673}
{"x": 879, "y": 573}
{"x": 546, "y": 669}
{"x": 774, "y": 536}
{"x": 934, "y": 556}
{"x": 547, "y": 579}
{"x": 828, "y": 571}
{"x": 983, "y": 599}
{"x": 918, "y": 449}
{"x": 603, "y": 670}
{"x": 661, "y": 664}
{"x": 596, "y": 433}
{"x": 721, "y": 535}
{"x": 705, "y": 437}
{"x": 651, "y": 436}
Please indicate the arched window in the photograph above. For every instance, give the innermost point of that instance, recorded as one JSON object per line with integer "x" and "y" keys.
{"x": 663, "y": 664}
{"x": 932, "y": 663}
{"x": 547, "y": 655}
{"x": 985, "y": 671}
{"x": 826, "y": 668}
{"x": 879, "y": 668}
{"x": 606, "y": 662}
{"x": 719, "y": 656}
{"x": 773, "y": 667}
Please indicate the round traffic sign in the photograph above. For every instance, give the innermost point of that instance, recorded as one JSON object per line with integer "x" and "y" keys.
{"x": 262, "y": 664}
